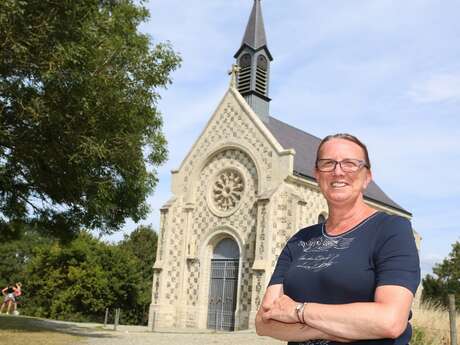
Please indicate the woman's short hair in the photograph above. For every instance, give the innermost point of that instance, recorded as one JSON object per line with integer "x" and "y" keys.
{"x": 348, "y": 137}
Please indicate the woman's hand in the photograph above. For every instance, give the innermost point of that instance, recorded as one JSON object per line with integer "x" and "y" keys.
{"x": 283, "y": 309}
{"x": 292, "y": 330}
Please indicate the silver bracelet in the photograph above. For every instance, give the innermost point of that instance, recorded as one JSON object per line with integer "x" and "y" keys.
{"x": 299, "y": 309}
{"x": 304, "y": 305}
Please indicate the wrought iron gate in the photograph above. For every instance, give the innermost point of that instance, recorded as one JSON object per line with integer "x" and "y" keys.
{"x": 222, "y": 294}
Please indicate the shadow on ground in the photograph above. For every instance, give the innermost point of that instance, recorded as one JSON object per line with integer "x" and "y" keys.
{"x": 31, "y": 324}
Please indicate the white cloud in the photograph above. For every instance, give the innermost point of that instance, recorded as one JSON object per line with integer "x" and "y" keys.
{"x": 438, "y": 88}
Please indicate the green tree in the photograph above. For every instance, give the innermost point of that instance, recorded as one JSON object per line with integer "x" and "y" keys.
{"x": 447, "y": 279}
{"x": 142, "y": 244}
{"x": 79, "y": 123}
{"x": 79, "y": 280}
{"x": 16, "y": 253}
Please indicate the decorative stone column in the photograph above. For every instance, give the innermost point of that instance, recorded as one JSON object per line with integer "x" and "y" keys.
{"x": 183, "y": 307}
{"x": 259, "y": 267}
{"x": 155, "y": 320}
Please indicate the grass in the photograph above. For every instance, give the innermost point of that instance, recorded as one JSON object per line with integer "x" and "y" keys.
{"x": 21, "y": 330}
{"x": 431, "y": 325}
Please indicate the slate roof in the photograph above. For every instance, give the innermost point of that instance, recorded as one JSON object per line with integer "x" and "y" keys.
{"x": 305, "y": 146}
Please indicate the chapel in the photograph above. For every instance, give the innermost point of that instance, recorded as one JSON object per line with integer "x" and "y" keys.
{"x": 245, "y": 187}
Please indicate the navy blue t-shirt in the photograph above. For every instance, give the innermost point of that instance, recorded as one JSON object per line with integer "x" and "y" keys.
{"x": 347, "y": 268}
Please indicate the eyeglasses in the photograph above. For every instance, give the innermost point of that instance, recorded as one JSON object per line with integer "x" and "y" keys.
{"x": 347, "y": 165}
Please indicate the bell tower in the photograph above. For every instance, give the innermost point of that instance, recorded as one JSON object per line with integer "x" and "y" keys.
{"x": 253, "y": 58}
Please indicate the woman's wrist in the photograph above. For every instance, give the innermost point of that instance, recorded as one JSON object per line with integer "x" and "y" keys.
{"x": 300, "y": 312}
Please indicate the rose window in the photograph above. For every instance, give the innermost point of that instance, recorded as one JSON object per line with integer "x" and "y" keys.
{"x": 227, "y": 190}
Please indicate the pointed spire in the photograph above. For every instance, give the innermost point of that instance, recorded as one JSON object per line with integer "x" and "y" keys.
{"x": 255, "y": 30}
{"x": 254, "y": 35}
{"x": 253, "y": 60}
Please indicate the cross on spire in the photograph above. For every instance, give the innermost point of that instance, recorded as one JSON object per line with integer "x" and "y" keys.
{"x": 234, "y": 75}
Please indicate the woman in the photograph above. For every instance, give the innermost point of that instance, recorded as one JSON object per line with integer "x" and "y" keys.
{"x": 9, "y": 298}
{"x": 351, "y": 279}
{"x": 17, "y": 294}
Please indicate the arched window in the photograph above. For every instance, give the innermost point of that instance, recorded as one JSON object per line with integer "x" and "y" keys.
{"x": 244, "y": 76}
{"x": 227, "y": 249}
{"x": 261, "y": 74}
{"x": 245, "y": 61}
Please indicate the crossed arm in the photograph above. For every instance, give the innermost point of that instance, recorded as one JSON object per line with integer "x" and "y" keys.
{"x": 386, "y": 317}
{"x": 280, "y": 329}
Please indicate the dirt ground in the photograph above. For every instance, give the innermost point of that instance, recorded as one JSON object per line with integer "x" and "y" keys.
{"x": 25, "y": 330}
{"x": 145, "y": 338}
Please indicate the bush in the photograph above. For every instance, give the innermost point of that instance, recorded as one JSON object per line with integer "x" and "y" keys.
{"x": 80, "y": 280}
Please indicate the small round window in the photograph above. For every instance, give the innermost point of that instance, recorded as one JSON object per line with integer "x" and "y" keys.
{"x": 225, "y": 192}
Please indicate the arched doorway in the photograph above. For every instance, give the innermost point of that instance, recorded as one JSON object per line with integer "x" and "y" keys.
{"x": 223, "y": 286}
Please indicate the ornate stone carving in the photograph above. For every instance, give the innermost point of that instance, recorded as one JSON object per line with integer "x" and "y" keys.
{"x": 241, "y": 130}
{"x": 156, "y": 287}
{"x": 225, "y": 192}
{"x": 259, "y": 289}
{"x": 263, "y": 218}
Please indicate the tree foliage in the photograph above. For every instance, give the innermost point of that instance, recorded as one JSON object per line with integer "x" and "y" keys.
{"x": 16, "y": 253}
{"x": 142, "y": 244}
{"x": 447, "y": 279}
{"x": 78, "y": 122}
{"x": 79, "y": 280}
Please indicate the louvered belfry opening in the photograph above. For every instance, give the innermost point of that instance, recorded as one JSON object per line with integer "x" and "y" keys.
{"x": 244, "y": 76}
{"x": 261, "y": 75}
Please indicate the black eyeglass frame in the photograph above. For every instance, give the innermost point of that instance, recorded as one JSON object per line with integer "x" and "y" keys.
{"x": 361, "y": 164}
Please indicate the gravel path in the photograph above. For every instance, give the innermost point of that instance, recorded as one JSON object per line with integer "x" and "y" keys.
{"x": 127, "y": 337}
{"x": 95, "y": 334}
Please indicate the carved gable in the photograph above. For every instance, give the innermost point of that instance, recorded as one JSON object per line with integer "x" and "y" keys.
{"x": 234, "y": 125}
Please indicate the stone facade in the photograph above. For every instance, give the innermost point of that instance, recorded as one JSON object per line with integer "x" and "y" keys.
{"x": 236, "y": 182}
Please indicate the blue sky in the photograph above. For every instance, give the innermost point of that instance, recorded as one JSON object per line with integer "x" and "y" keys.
{"x": 386, "y": 71}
